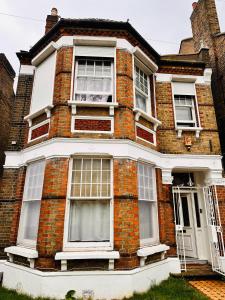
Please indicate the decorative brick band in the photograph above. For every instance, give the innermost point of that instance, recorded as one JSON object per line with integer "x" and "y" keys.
{"x": 92, "y": 124}
{"x": 39, "y": 131}
{"x": 145, "y": 134}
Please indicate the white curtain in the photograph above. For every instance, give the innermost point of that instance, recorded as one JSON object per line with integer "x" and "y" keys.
{"x": 89, "y": 220}
{"x": 31, "y": 211}
{"x": 146, "y": 219}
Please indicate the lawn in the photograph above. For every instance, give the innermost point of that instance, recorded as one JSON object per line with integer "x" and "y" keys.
{"x": 171, "y": 289}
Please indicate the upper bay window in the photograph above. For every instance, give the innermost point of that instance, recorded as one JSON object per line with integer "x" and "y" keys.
{"x": 142, "y": 90}
{"x": 94, "y": 80}
{"x": 29, "y": 218}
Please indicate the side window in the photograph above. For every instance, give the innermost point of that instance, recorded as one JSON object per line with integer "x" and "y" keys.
{"x": 94, "y": 80}
{"x": 29, "y": 219}
{"x": 142, "y": 90}
{"x": 148, "y": 215}
{"x": 185, "y": 104}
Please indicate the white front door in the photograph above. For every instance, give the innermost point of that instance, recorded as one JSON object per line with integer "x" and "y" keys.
{"x": 188, "y": 219}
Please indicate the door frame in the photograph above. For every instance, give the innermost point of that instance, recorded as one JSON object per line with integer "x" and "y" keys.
{"x": 201, "y": 231}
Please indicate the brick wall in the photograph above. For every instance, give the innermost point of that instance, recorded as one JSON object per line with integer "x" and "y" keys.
{"x": 19, "y": 127}
{"x": 7, "y": 75}
{"x": 168, "y": 142}
{"x": 126, "y": 221}
{"x": 206, "y": 30}
{"x": 11, "y": 193}
{"x": 51, "y": 224}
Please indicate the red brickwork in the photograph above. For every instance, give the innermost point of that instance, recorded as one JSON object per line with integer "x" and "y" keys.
{"x": 39, "y": 131}
{"x": 51, "y": 225}
{"x": 92, "y": 125}
{"x": 126, "y": 221}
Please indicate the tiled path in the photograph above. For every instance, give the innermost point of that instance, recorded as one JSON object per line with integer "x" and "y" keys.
{"x": 214, "y": 289}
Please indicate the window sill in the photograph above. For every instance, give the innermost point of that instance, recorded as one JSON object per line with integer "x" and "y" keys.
{"x": 46, "y": 109}
{"x": 180, "y": 130}
{"x": 140, "y": 113}
{"x": 30, "y": 254}
{"x": 143, "y": 253}
{"x": 110, "y": 105}
{"x": 64, "y": 256}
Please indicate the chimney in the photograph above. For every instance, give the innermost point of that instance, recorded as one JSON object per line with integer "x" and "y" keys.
{"x": 51, "y": 20}
{"x": 194, "y": 5}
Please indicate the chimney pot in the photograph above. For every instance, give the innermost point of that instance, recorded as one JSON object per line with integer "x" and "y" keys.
{"x": 194, "y": 5}
{"x": 54, "y": 11}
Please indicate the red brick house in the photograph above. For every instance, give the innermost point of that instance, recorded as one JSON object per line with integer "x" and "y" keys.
{"x": 115, "y": 179}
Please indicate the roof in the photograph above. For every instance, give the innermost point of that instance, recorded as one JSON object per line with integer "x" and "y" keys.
{"x": 90, "y": 23}
{"x": 67, "y": 24}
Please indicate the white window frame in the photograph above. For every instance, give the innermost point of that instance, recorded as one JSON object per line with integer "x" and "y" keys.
{"x": 82, "y": 246}
{"x": 112, "y": 77}
{"x": 20, "y": 240}
{"x": 146, "y": 129}
{"x": 155, "y": 239}
{"x": 197, "y": 128}
{"x": 37, "y": 126}
{"x": 141, "y": 67}
{"x": 193, "y": 111}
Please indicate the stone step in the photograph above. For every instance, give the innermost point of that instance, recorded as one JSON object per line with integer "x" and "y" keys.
{"x": 198, "y": 272}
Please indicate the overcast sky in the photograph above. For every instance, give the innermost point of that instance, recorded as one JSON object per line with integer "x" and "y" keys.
{"x": 163, "y": 23}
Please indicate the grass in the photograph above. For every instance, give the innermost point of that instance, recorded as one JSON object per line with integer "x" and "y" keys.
{"x": 6, "y": 294}
{"x": 171, "y": 289}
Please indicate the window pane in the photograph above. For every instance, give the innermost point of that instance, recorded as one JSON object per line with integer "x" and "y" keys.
{"x": 145, "y": 182}
{"x": 95, "y": 77}
{"x": 184, "y": 114}
{"x": 146, "y": 219}
{"x": 30, "y": 213}
{"x": 89, "y": 221}
{"x": 141, "y": 102}
{"x": 185, "y": 210}
{"x": 34, "y": 181}
{"x": 92, "y": 178}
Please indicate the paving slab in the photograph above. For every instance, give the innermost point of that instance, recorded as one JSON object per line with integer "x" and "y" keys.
{"x": 213, "y": 289}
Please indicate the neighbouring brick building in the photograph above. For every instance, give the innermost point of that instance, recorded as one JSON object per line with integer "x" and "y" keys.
{"x": 116, "y": 167}
{"x": 207, "y": 34}
{"x": 7, "y": 76}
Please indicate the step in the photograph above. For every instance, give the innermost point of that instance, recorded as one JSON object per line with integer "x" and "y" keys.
{"x": 198, "y": 272}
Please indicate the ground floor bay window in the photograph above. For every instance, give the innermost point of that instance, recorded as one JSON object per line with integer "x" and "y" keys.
{"x": 148, "y": 215}
{"x": 29, "y": 219}
{"x": 89, "y": 215}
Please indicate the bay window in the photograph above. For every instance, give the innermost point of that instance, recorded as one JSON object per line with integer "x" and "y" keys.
{"x": 142, "y": 90}
{"x": 94, "y": 79}
{"x": 89, "y": 202}
{"x": 148, "y": 216}
{"x": 29, "y": 219}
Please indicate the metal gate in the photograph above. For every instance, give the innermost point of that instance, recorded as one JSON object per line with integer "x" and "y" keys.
{"x": 179, "y": 227}
{"x": 215, "y": 231}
